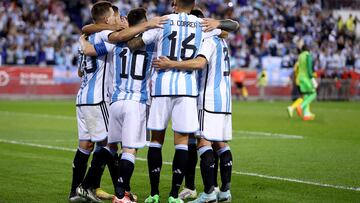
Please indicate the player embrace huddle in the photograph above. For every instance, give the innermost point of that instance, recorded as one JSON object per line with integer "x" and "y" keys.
{"x": 190, "y": 83}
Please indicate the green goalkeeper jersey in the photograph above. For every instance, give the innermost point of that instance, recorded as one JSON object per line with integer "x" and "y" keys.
{"x": 305, "y": 72}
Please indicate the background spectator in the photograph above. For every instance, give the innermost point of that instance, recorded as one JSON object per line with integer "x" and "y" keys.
{"x": 43, "y": 32}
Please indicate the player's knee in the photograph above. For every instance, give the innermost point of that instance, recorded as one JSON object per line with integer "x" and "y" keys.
{"x": 158, "y": 136}
{"x": 203, "y": 142}
{"x": 181, "y": 139}
{"x": 219, "y": 145}
{"x": 86, "y": 145}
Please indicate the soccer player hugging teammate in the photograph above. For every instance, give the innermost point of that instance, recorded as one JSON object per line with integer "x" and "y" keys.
{"x": 174, "y": 92}
{"x": 214, "y": 107}
{"x": 129, "y": 102}
{"x": 93, "y": 99}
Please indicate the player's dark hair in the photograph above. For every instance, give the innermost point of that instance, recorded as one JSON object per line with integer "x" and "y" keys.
{"x": 100, "y": 9}
{"x": 135, "y": 16}
{"x": 305, "y": 48}
{"x": 115, "y": 8}
{"x": 198, "y": 13}
{"x": 185, "y": 3}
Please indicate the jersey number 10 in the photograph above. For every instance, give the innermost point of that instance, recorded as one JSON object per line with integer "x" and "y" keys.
{"x": 134, "y": 60}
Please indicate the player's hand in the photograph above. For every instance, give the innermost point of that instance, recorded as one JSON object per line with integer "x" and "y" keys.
{"x": 82, "y": 41}
{"x": 210, "y": 24}
{"x": 123, "y": 23}
{"x": 82, "y": 37}
{"x": 162, "y": 63}
{"x": 157, "y": 22}
{"x": 314, "y": 83}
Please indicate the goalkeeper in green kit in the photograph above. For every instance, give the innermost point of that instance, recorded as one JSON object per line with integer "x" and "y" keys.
{"x": 307, "y": 83}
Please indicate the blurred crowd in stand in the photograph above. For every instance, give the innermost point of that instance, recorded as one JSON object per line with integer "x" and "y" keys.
{"x": 45, "y": 32}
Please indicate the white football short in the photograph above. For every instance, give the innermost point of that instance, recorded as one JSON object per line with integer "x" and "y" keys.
{"x": 216, "y": 127}
{"x": 92, "y": 122}
{"x": 128, "y": 124}
{"x": 181, "y": 110}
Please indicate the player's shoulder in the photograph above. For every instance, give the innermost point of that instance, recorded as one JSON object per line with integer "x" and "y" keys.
{"x": 100, "y": 36}
{"x": 103, "y": 33}
{"x": 194, "y": 18}
{"x": 172, "y": 16}
{"x": 189, "y": 16}
{"x": 304, "y": 54}
{"x": 213, "y": 40}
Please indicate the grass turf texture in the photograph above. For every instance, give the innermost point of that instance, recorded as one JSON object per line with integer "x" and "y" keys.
{"x": 329, "y": 153}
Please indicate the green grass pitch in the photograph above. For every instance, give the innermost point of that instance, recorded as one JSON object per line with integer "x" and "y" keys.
{"x": 316, "y": 161}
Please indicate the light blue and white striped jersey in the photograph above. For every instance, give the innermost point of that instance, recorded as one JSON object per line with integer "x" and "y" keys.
{"x": 132, "y": 73}
{"x": 179, "y": 39}
{"x": 215, "y": 84}
{"x": 96, "y": 83}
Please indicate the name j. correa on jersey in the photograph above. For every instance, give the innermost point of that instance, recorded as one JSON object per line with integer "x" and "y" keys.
{"x": 184, "y": 23}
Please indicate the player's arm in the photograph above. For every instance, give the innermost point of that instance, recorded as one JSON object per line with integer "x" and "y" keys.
{"x": 147, "y": 38}
{"x": 131, "y": 32}
{"x": 226, "y": 25}
{"x": 309, "y": 66}
{"x": 87, "y": 48}
{"x": 163, "y": 63}
{"x": 310, "y": 70}
{"x": 80, "y": 73}
{"x": 206, "y": 52}
{"x": 93, "y": 28}
{"x": 98, "y": 49}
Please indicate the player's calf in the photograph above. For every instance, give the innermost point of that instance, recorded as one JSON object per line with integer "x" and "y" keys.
{"x": 225, "y": 168}
{"x": 179, "y": 168}
{"x": 126, "y": 169}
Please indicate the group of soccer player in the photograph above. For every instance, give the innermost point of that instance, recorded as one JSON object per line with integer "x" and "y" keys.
{"x": 136, "y": 76}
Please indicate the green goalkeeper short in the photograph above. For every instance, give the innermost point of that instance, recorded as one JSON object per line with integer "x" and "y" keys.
{"x": 306, "y": 85}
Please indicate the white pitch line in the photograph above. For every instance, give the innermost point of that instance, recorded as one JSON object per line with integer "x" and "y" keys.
{"x": 10, "y": 113}
{"x": 50, "y": 140}
{"x": 297, "y": 181}
{"x": 169, "y": 163}
{"x": 267, "y": 134}
{"x": 38, "y": 145}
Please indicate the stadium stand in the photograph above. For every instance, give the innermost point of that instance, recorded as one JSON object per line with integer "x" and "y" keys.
{"x": 45, "y": 32}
